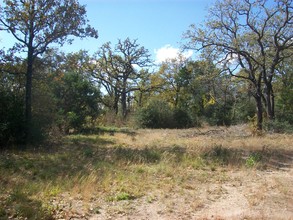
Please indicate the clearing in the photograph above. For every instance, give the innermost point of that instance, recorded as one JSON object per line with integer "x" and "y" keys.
{"x": 206, "y": 173}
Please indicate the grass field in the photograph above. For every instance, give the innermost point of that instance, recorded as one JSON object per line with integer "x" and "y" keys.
{"x": 206, "y": 173}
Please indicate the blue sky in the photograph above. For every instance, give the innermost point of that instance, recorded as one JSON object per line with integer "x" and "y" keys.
{"x": 157, "y": 24}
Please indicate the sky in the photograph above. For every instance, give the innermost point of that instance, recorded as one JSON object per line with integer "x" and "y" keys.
{"x": 158, "y": 25}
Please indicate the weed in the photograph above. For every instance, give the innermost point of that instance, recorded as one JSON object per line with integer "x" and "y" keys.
{"x": 140, "y": 170}
{"x": 88, "y": 152}
{"x": 253, "y": 126}
{"x": 121, "y": 196}
{"x": 219, "y": 155}
{"x": 52, "y": 191}
{"x": 96, "y": 210}
{"x": 151, "y": 199}
{"x": 3, "y": 214}
{"x": 253, "y": 159}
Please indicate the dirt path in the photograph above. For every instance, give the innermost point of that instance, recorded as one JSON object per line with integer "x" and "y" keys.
{"x": 255, "y": 195}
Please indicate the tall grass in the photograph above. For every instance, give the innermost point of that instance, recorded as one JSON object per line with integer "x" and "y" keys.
{"x": 126, "y": 166}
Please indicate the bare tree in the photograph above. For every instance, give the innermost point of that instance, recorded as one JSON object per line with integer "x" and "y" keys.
{"x": 252, "y": 35}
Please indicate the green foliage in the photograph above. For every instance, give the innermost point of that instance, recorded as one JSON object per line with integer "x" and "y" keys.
{"x": 284, "y": 91}
{"x": 50, "y": 25}
{"x": 157, "y": 114}
{"x": 243, "y": 109}
{"x": 77, "y": 100}
{"x": 11, "y": 118}
{"x": 219, "y": 114}
{"x": 284, "y": 104}
{"x": 115, "y": 71}
{"x": 277, "y": 126}
{"x": 238, "y": 36}
{"x": 253, "y": 159}
{"x": 37, "y": 24}
{"x": 182, "y": 119}
{"x": 74, "y": 120}
{"x": 121, "y": 196}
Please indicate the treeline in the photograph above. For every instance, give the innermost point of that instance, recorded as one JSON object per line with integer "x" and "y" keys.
{"x": 77, "y": 92}
{"x": 244, "y": 74}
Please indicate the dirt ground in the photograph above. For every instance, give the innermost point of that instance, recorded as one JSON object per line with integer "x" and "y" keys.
{"x": 246, "y": 196}
{"x": 231, "y": 194}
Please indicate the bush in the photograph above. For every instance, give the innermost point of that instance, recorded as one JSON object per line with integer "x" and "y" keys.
{"x": 182, "y": 118}
{"x": 77, "y": 98}
{"x": 157, "y": 114}
{"x": 219, "y": 114}
{"x": 278, "y": 126}
{"x": 11, "y": 119}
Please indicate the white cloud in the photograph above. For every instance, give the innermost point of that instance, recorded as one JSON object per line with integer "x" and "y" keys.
{"x": 168, "y": 52}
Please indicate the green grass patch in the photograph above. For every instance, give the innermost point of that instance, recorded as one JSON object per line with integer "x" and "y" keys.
{"x": 253, "y": 160}
{"x": 121, "y": 196}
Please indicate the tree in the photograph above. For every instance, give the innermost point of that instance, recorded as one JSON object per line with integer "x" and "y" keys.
{"x": 77, "y": 100}
{"x": 174, "y": 76}
{"x": 11, "y": 101}
{"x": 284, "y": 102}
{"x": 206, "y": 92}
{"x": 116, "y": 70}
{"x": 35, "y": 24}
{"x": 252, "y": 35}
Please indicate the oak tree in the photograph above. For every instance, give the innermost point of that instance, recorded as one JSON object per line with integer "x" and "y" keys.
{"x": 252, "y": 35}
{"x": 35, "y": 24}
{"x": 117, "y": 70}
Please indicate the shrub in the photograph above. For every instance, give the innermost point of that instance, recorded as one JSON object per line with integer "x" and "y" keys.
{"x": 157, "y": 114}
{"x": 11, "y": 119}
{"x": 77, "y": 99}
{"x": 219, "y": 114}
{"x": 253, "y": 159}
{"x": 182, "y": 118}
{"x": 278, "y": 126}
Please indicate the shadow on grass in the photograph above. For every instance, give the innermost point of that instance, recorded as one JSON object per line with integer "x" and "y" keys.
{"x": 24, "y": 206}
{"x": 108, "y": 130}
{"x": 260, "y": 159}
{"x": 79, "y": 155}
{"x": 276, "y": 159}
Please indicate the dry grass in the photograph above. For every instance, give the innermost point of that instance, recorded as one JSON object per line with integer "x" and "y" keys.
{"x": 158, "y": 173}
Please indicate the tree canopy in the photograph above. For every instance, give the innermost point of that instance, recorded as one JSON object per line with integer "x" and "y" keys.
{"x": 35, "y": 24}
{"x": 242, "y": 72}
{"x": 255, "y": 36}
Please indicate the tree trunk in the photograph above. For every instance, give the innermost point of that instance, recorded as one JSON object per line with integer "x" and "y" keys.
{"x": 28, "y": 96}
{"x": 140, "y": 99}
{"x": 269, "y": 94}
{"x": 177, "y": 97}
{"x": 124, "y": 98}
{"x": 259, "y": 111}
{"x": 116, "y": 101}
{"x": 124, "y": 103}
